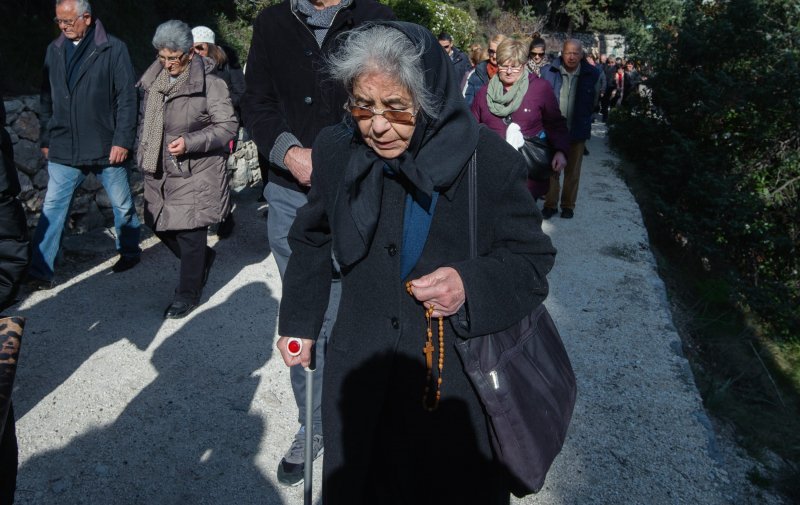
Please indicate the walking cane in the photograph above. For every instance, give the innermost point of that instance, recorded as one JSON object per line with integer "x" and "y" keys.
{"x": 294, "y": 346}
{"x": 308, "y": 479}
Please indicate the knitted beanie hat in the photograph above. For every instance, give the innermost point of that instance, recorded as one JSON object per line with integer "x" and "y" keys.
{"x": 203, "y": 34}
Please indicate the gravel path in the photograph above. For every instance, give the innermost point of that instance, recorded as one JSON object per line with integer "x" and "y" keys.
{"x": 117, "y": 406}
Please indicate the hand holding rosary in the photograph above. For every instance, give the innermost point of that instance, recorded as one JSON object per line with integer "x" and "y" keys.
{"x": 431, "y": 404}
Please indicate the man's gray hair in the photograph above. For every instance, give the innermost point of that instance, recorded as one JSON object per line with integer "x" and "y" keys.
{"x": 173, "y": 35}
{"x": 81, "y": 6}
{"x": 383, "y": 50}
{"x": 573, "y": 42}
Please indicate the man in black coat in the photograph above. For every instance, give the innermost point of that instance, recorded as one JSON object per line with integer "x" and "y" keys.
{"x": 14, "y": 257}
{"x": 461, "y": 63}
{"x": 88, "y": 125}
{"x": 288, "y": 100}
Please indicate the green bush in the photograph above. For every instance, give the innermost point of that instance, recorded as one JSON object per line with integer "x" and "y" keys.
{"x": 721, "y": 147}
{"x": 437, "y": 17}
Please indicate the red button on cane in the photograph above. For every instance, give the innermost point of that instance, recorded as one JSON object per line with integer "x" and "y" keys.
{"x": 294, "y": 346}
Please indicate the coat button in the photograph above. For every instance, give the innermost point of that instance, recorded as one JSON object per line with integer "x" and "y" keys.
{"x": 309, "y": 52}
{"x": 392, "y": 249}
{"x": 395, "y": 323}
{"x": 308, "y": 100}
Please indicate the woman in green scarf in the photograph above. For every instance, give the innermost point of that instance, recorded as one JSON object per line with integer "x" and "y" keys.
{"x": 517, "y": 104}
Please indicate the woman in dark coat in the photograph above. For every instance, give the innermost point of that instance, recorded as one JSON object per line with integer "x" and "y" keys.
{"x": 186, "y": 124}
{"x": 389, "y": 198}
{"x": 15, "y": 255}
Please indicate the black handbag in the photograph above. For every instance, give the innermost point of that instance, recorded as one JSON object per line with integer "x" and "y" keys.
{"x": 538, "y": 157}
{"x": 525, "y": 381}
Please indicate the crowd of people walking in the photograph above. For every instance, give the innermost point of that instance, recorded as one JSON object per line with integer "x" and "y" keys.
{"x": 367, "y": 217}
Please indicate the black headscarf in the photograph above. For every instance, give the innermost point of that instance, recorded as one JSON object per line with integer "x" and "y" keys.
{"x": 437, "y": 153}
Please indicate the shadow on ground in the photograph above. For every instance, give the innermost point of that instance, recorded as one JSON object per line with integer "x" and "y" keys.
{"x": 187, "y": 437}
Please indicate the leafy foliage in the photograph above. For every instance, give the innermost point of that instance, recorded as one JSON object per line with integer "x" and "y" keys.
{"x": 437, "y": 17}
{"x": 721, "y": 142}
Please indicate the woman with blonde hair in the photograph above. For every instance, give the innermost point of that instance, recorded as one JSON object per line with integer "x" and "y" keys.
{"x": 484, "y": 70}
{"x": 518, "y": 105}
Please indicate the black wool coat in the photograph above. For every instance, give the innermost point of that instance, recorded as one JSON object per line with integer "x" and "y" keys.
{"x": 381, "y": 446}
{"x": 287, "y": 89}
{"x": 15, "y": 252}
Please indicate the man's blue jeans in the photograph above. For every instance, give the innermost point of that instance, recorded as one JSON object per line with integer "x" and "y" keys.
{"x": 64, "y": 180}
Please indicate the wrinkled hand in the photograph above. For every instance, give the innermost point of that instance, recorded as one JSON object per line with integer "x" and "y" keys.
{"x": 559, "y": 161}
{"x": 177, "y": 147}
{"x": 118, "y": 155}
{"x": 298, "y": 161}
{"x": 442, "y": 289}
{"x": 304, "y": 358}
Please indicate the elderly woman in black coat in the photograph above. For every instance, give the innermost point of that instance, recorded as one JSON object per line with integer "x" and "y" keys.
{"x": 389, "y": 198}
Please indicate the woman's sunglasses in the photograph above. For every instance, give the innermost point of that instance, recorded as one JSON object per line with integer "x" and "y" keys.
{"x": 392, "y": 115}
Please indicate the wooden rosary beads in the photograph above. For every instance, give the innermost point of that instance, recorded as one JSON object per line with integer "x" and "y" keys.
{"x": 431, "y": 405}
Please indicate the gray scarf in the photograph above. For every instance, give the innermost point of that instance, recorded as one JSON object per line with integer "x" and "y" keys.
{"x": 501, "y": 102}
{"x": 320, "y": 20}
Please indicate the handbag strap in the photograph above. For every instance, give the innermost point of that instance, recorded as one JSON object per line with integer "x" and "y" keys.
{"x": 472, "y": 181}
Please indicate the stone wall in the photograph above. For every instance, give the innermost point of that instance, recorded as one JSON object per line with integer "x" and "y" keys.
{"x": 91, "y": 207}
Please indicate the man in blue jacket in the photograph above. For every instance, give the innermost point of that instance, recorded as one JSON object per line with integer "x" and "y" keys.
{"x": 88, "y": 125}
{"x": 576, "y": 84}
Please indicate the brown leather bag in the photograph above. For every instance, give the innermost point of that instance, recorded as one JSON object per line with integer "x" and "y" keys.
{"x": 10, "y": 341}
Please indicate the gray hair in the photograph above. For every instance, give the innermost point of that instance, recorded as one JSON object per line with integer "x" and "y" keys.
{"x": 387, "y": 51}
{"x": 573, "y": 42}
{"x": 81, "y": 6}
{"x": 173, "y": 35}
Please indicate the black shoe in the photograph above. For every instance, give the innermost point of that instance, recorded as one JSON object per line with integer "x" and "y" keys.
{"x": 125, "y": 263}
{"x": 211, "y": 254}
{"x": 36, "y": 284}
{"x": 178, "y": 310}
{"x": 291, "y": 470}
{"x": 567, "y": 213}
{"x": 291, "y": 474}
{"x": 225, "y": 228}
{"x": 547, "y": 212}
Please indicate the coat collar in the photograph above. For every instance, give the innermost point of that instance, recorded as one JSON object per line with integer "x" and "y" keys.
{"x": 555, "y": 66}
{"x": 100, "y": 36}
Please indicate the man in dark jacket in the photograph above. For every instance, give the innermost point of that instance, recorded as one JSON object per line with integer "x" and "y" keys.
{"x": 609, "y": 68}
{"x": 88, "y": 125}
{"x": 14, "y": 257}
{"x": 576, "y": 84}
{"x": 288, "y": 100}
{"x": 461, "y": 63}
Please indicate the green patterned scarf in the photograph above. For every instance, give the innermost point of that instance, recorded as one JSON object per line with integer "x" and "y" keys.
{"x": 502, "y": 102}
